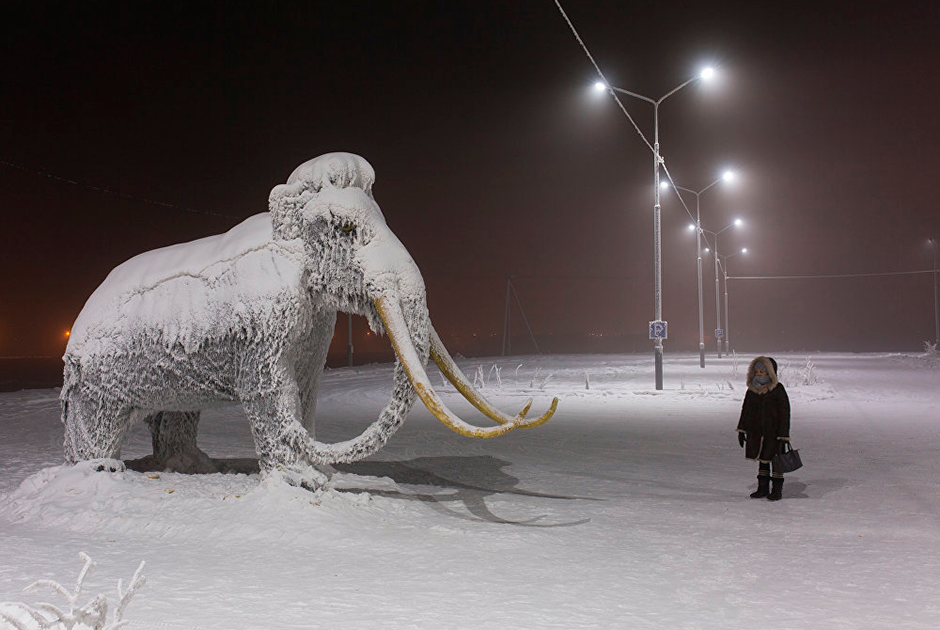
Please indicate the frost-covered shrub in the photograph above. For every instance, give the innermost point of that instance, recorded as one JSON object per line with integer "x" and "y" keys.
{"x": 93, "y": 615}
{"x": 807, "y": 374}
{"x": 498, "y": 371}
{"x": 478, "y": 381}
{"x": 931, "y": 357}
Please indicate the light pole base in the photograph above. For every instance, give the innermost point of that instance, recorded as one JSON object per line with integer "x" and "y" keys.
{"x": 659, "y": 367}
{"x": 701, "y": 355}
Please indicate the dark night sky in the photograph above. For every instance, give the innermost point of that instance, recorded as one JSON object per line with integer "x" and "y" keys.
{"x": 492, "y": 154}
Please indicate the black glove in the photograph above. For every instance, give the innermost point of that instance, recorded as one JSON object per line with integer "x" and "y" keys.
{"x": 741, "y": 439}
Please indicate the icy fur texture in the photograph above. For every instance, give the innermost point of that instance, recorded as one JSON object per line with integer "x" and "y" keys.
{"x": 244, "y": 316}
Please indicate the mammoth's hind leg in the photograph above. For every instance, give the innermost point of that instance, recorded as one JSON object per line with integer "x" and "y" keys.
{"x": 174, "y": 443}
{"x": 95, "y": 425}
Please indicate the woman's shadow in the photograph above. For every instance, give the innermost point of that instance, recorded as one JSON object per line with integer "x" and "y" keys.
{"x": 470, "y": 481}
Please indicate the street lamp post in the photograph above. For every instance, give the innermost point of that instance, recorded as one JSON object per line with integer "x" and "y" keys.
{"x": 349, "y": 345}
{"x": 936, "y": 308}
{"x": 724, "y": 269}
{"x": 727, "y": 176}
{"x": 706, "y": 74}
{"x": 735, "y": 223}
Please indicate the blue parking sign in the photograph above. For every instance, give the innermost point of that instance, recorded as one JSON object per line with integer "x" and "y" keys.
{"x": 658, "y": 330}
{"x": 719, "y": 333}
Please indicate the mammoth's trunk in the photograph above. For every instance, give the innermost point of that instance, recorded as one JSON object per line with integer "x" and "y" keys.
{"x": 408, "y": 327}
{"x": 414, "y": 318}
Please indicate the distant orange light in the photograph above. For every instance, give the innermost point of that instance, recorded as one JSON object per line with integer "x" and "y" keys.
{"x": 68, "y": 332}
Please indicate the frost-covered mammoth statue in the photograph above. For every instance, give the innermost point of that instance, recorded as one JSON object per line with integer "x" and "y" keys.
{"x": 248, "y": 316}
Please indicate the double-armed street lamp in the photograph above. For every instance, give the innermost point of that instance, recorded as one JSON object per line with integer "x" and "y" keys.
{"x": 724, "y": 269}
{"x": 657, "y": 327}
{"x": 726, "y": 177}
{"x": 718, "y": 331}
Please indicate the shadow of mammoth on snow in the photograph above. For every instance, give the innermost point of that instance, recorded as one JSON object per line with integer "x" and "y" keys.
{"x": 466, "y": 480}
{"x": 210, "y": 465}
{"x": 470, "y": 480}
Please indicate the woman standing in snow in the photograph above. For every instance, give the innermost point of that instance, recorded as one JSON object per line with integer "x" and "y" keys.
{"x": 764, "y": 427}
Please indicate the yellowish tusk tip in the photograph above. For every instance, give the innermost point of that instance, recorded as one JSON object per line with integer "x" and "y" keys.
{"x": 525, "y": 409}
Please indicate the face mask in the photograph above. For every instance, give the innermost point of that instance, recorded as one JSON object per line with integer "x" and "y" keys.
{"x": 761, "y": 380}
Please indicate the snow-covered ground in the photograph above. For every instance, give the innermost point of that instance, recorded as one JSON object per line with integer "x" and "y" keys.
{"x": 629, "y": 509}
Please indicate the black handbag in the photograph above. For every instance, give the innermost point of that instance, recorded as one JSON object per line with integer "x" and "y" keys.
{"x": 787, "y": 461}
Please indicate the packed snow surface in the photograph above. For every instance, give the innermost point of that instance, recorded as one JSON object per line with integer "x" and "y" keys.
{"x": 629, "y": 509}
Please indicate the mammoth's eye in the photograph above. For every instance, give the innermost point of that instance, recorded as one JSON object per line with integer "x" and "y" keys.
{"x": 348, "y": 227}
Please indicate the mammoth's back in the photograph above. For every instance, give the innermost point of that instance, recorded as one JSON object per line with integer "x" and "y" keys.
{"x": 188, "y": 292}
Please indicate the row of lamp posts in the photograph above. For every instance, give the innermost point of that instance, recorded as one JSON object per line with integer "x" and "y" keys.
{"x": 726, "y": 177}
{"x": 658, "y": 326}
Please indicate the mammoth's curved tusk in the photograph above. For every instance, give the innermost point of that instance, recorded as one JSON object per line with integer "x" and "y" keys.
{"x": 453, "y": 373}
{"x": 394, "y": 322}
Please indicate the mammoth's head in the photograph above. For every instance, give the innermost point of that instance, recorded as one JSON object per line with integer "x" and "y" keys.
{"x": 356, "y": 264}
{"x": 354, "y": 258}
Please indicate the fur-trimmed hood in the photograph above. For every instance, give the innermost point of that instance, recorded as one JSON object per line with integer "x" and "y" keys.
{"x": 771, "y": 366}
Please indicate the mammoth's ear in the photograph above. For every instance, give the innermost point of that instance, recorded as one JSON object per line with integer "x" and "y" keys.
{"x": 285, "y": 204}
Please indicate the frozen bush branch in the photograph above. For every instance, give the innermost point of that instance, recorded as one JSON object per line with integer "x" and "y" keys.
{"x": 498, "y": 371}
{"x": 93, "y": 615}
{"x": 931, "y": 357}
{"x": 534, "y": 377}
{"x": 795, "y": 377}
{"x": 478, "y": 380}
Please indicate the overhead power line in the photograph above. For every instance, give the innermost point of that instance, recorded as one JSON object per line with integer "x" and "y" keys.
{"x": 840, "y": 275}
{"x": 622, "y": 108}
{"x": 108, "y": 191}
{"x": 601, "y": 74}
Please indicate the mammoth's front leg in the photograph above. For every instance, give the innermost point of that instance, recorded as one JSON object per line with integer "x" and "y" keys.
{"x": 174, "y": 443}
{"x": 95, "y": 423}
{"x": 280, "y": 438}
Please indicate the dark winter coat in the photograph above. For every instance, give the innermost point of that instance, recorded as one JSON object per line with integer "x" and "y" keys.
{"x": 765, "y": 414}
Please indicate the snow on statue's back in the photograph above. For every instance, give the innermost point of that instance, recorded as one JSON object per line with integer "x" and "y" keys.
{"x": 248, "y": 316}
{"x": 189, "y": 292}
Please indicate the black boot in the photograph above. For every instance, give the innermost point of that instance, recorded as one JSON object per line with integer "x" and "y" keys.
{"x": 763, "y": 487}
{"x": 777, "y": 493}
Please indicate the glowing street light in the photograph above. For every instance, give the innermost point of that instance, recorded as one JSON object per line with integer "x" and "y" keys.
{"x": 704, "y": 75}
{"x": 727, "y": 176}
